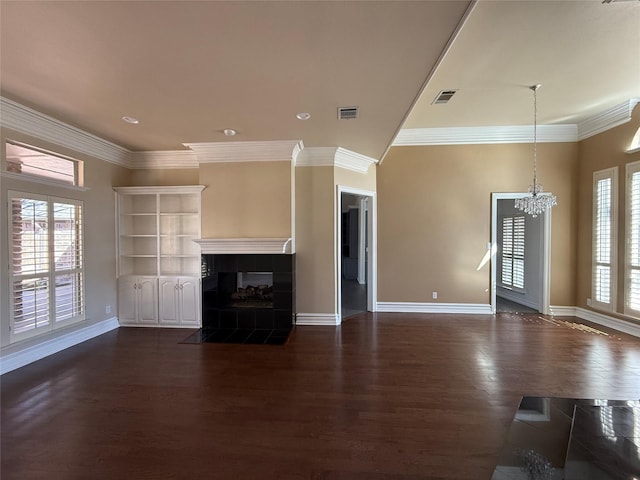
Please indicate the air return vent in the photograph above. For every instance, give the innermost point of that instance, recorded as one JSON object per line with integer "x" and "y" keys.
{"x": 347, "y": 113}
{"x": 444, "y": 96}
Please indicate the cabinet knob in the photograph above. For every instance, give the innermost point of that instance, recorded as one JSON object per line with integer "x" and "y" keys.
{"x": 135, "y": 286}
{"x": 176, "y": 287}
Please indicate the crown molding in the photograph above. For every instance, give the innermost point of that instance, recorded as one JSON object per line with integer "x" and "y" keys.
{"x": 151, "y": 189}
{"x": 30, "y": 122}
{"x": 485, "y": 135}
{"x": 334, "y": 157}
{"x": 607, "y": 119}
{"x": 316, "y": 157}
{"x": 224, "y": 152}
{"x": 169, "y": 159}
{"x": 353, "y": 161}
{"x": 245, "y": 245}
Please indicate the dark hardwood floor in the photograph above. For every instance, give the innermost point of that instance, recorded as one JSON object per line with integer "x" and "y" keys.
{"x": 384, "y": 396}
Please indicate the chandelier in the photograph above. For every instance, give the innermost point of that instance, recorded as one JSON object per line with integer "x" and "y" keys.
{"x": 536, "y": 201}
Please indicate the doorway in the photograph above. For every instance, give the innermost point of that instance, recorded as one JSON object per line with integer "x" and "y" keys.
{"x": 520, "y": 269}
{"x": 355, "y": 252}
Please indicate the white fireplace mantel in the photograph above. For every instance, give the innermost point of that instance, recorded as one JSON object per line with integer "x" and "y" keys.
{"x": 245, "y": 245}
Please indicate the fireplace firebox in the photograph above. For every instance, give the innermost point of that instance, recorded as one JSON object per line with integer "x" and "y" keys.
{"x": 248, "y": 291}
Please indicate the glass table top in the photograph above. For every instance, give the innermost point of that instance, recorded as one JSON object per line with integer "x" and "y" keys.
{"x": 572, "y": 439}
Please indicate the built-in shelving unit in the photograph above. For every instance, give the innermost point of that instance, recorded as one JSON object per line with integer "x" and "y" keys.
{"x": 156, "y": 229}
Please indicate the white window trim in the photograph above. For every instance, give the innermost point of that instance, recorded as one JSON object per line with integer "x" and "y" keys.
{"x": 631, "y": 168}
{"x": 609, "y": 173}
{"x": 25, "y": 177}
{"x": 51, "y": 273}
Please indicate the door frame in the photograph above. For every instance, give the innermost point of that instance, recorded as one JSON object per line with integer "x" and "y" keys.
{"x": 545, "y": 223}
{"x": 372, "y": 270}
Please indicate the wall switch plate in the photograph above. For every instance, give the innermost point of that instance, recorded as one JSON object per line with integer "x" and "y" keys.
{"x": 107, "y": 309}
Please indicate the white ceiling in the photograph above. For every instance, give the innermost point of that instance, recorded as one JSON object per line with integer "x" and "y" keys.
{"x": 188, "y": 70}
{"x": 585, "y": 54}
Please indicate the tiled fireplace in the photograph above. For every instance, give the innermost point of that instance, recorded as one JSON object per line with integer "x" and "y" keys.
{"x": 248, "y": 291}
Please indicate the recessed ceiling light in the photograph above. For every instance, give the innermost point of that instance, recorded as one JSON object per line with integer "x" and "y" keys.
{"x": 303, "y": 116}
{"x": 132, "y": 120}
{"x": 229, "y": 132}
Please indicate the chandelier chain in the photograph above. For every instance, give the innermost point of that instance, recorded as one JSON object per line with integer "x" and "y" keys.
{"x": 535, "y": 202}
{"x": 535, "y": 137}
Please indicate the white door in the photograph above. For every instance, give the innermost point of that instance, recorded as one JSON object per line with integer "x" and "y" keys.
{"x": 189, "y": 304}
{"x": 127, "y": 296}
{"x": 147, "y": 300}
{"x": 168, "y": 292}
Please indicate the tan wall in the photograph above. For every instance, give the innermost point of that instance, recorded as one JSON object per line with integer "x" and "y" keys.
{"x": 315, "y": 265}
{"x": 164, "y": 177}
{"x": 434, "y": 218}
{"x": 246, "y": 199}
{"x": 99, "y": 235}
{"x": 605, "y": 150}
{"x": 362, "y": 181}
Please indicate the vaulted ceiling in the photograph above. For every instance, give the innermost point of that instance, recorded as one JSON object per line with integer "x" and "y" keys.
{"x": 189, "y": 70}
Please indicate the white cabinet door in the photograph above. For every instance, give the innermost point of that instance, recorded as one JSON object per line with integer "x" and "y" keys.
{"x": 189, "y": 303}
{"x": 127, "y": 299}
{"x": 147, "y": 300}
{"x": 169, "y": 294}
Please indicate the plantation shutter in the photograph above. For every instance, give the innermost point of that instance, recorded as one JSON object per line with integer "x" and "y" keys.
{"x": 518, "y": 252}
{"x": 513, "y": 249}
{"x": 46, "y": 263}
{"x": 507, "y": 251}
{"x": 633, "y": 256}
{"x": 29, "y": 264}
{"x": 602, "y": 241}
{"x": 67, "y": 244}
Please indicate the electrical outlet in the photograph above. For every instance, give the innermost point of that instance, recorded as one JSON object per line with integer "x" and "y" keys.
{"x": 107, "y": 309}
{"x": 434, "y": 295}
{"x": 588, "y": 302}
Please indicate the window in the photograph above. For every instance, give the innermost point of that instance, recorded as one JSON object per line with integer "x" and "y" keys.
{"x": 24, "y": 160}
{"x": 635, "y": 143}
{"x": 513, "y": 252}
{"x": 632, "y": 277}
{"x": 605, "y": 203}
{"x": 46, "y": 263}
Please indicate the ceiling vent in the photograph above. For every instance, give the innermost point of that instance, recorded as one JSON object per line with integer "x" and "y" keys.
{"x": 444, "y": 96}
{"x": 347, "y": 113}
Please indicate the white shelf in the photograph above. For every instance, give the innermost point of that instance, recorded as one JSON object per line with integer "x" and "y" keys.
{"x": 172, "y": 214}
{"x": 156, "y": 229}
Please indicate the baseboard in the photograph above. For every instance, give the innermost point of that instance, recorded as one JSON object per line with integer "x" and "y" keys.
{"x": 408, "y": 307}
{"x": 518, "y": 298}
{"x": 562, "y": 311}
{"x": 31, "y": 354}
{"x": 160, "y": 325}
{"x": 317, "y": 319}
{"x": 607, "y": 321}
{"x": 615, "y": 323}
